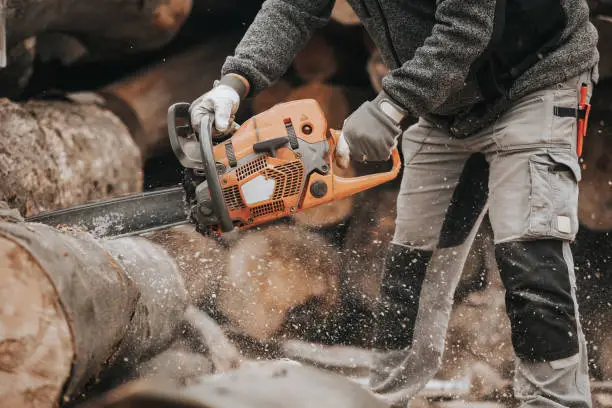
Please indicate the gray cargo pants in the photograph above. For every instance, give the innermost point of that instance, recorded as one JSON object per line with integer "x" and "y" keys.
{"x": 532, "y": 204}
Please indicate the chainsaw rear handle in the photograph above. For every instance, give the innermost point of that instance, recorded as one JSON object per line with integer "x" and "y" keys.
{"x": 347, "y": 186}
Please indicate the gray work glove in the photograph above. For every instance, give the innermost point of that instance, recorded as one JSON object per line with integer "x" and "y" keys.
{"x": 371, "y": 132}
{"x": 222, "y": 101}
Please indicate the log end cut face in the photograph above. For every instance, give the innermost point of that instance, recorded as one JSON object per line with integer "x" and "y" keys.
{"x": 36, "y": 346}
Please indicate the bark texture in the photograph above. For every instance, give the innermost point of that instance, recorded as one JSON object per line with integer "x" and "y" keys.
{"x": 102, "y": 25}
{"x": 97, "y": 309}
{"x": 56, "y": 154}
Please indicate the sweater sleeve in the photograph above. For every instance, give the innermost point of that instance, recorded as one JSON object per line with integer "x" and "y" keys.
{"x": 439, "y": 68}
{"x": 280, "y": 30}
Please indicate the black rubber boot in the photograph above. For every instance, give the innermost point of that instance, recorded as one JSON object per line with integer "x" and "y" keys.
{"x": 396, "y": 312}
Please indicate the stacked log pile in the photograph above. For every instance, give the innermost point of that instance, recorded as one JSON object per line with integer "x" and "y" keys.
{"x": 83, "y": 117}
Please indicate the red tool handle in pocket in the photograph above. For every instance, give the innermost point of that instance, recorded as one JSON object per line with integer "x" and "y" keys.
{"x": 584, "y": 110}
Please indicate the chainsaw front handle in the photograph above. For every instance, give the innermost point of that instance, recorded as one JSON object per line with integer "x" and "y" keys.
{"x": 212, "y": 178}
{"x": 347, "y": 186}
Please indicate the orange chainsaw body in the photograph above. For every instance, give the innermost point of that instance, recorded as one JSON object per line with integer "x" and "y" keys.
{"x": 293, "y": 189}
{"x": 276, "y": 164}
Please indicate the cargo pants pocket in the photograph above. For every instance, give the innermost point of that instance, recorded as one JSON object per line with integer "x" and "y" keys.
{"x": 553, "y": 201}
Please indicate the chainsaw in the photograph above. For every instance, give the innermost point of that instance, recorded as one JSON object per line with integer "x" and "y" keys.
{"x": 276, "y": 164}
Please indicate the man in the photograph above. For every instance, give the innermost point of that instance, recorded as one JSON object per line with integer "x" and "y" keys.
{"x": 498, "y": 77}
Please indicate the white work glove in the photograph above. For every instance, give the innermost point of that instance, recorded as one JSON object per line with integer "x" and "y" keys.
{"x": 222, "y": 101}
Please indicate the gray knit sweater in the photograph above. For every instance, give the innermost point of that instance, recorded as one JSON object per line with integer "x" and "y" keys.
{"x": 429, "y": 45}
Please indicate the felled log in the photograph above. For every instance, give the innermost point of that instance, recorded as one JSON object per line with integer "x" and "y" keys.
{"x": 57, "y": 154}
{"x": 273, "y": 271}
{"x": 142, "y": 100}
{"x": 77, "y": 311}
{"x": 103, "y": 26}
{"x": 20, "y": 65}
{"x": 257, "y": 385}
{"x": 201, "y": 260}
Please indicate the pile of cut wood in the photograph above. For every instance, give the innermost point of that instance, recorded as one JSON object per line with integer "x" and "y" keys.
{"x": 174, "y": 318}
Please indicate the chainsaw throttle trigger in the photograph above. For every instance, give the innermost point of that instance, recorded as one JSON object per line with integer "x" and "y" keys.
{"x": 270, "y": 145}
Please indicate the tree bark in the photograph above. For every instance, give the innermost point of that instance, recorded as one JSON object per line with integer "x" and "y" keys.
{"x": 56, "y": 154}
{"x": 94, "y": 309}
{"x": 102, "y": 25}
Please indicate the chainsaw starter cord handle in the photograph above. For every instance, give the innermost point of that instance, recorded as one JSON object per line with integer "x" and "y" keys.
{"x": 212, "y": 178}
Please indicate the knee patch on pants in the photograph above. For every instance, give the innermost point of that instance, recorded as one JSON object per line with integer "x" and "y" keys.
{"x": 539, "y": 299}
{"x": 396, "y": 311}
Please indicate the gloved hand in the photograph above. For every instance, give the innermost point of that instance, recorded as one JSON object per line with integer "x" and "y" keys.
{"x": 371, "y": 132}
{"x": 222, "y": 101}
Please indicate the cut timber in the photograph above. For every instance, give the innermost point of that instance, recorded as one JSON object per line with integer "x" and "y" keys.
{"x": 56, "y": 154}
{"x": 103, "y": 26}
{"x": 201, "y": 260}
{"x": 15, "y": 76}
{"x": 344, "y": 13}
{"x": 36, "y": 348}
{"x": 142, "y": 100}
{"x": 256, "y": 385}
{"x": 94, "y": 310}
{"x": 273, "y": 271}
{"x": 595, "y": 204}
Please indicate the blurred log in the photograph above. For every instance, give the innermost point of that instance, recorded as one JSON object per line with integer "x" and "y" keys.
{"x": 269, "y": 97}
{"x": 204, "y": 331}
{"x": 142, "y": 100}
{"x": 595, "y": 203}
{"x": 59, "y": 48}
{"x": 257, "y": 385}
{"x": 15, "y": 76}
{"x": 201, "y": 260}
{"x": 56, "y": 154}
{"x": 104, "y": 26}
{"x": 273, "y": 271}
{"x": 318, "y": 61}
{"x": 343, "y": 13}
{"x": 94, "y": 309}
